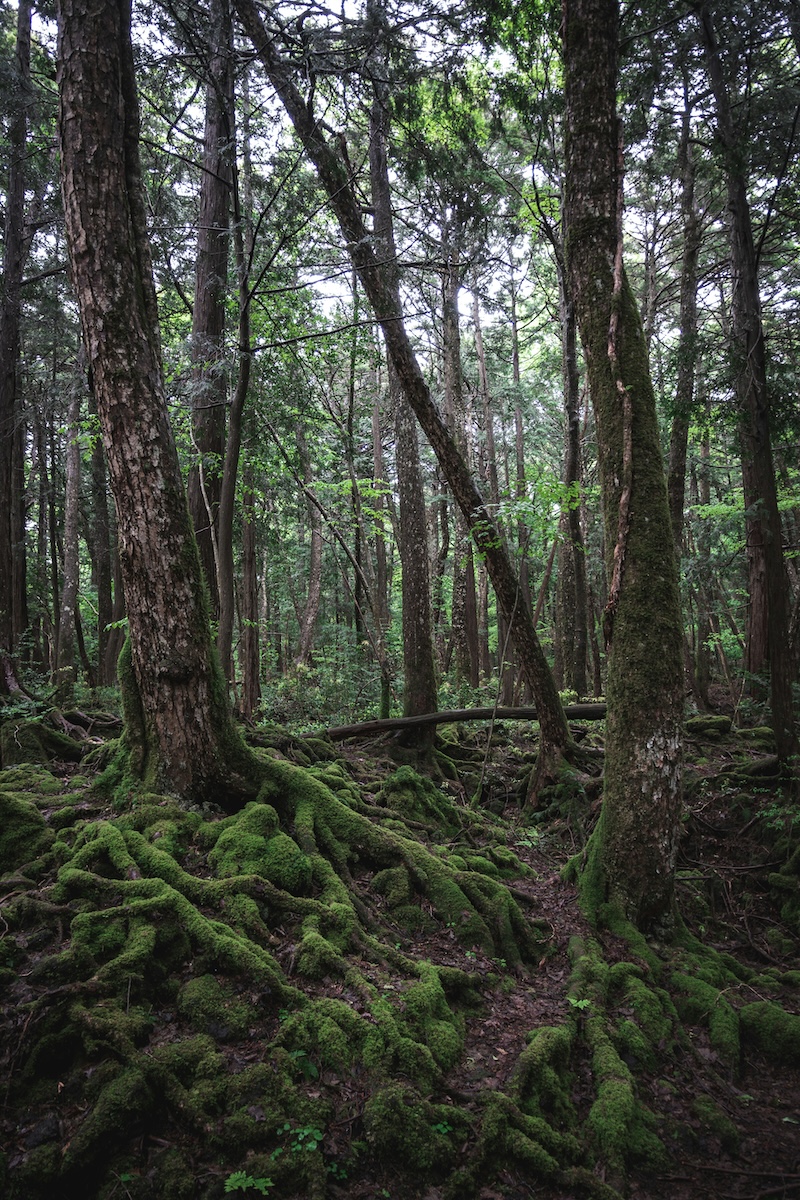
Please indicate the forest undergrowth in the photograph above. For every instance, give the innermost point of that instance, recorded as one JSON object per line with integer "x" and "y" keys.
{"x": 376, "y": 981}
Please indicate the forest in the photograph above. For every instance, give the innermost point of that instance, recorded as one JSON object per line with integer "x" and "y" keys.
{"x": 400, "y": 599}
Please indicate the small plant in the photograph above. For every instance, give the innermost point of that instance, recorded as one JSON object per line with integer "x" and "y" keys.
{"x": 303, "y": 1137}
{"x": 581, "y": 1005}
{"x": 240, "y": 1181}
{"x": 304, "y": 1065}
{"x": 443, "y": 1128}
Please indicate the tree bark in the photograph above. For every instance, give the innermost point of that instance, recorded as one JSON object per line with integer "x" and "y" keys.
{"x": 632, "y": 858}
{"x": 419, "y": 674}
{"x": 308, "y": 620}
{"x": 209, "y": 381}
{"x": 14, "y": 255}
{"x": 178, "y": 725}
{"x": 64, "y": 672}
{"x": 764, "y": 535}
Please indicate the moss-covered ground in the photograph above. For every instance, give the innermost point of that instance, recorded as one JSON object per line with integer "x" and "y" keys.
{"x": 365, "y": 984}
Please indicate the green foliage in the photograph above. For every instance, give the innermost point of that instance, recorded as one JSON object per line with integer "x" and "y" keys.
{"x": 240, "y": 1181}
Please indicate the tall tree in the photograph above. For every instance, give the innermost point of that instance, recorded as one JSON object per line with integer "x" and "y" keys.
{"x": 210, "y": 384}
{"x": 764, "y": 535}
{"x": 178, "y": 725}
{"x": 11, "y": 524}
{"x": 635, "y": 843}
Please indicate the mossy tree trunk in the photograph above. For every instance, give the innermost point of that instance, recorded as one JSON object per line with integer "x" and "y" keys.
{"x": 178, "y": 722}
{"x": 633, "y": 855}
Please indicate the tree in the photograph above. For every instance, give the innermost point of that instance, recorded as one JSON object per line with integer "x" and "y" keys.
{"x": 178, "y": 725}
{"x": 765, "y": 549}
{"x": 12, "y": 619}
{"x": 634, "y": 845}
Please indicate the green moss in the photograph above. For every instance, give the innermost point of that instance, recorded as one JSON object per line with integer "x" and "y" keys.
{"x": 405, "y": 1130}
{"x": 417, "y": 798}
{"x": 774, "y": 1031}
{"x": 23, "y": 832}
{"x": 715, "y": 1120}
{"x": 542, "y": 1076}
{"x": 208, "y": 1006}
{"x": 702, "y": 1002}
{"x": 35, "y": 741}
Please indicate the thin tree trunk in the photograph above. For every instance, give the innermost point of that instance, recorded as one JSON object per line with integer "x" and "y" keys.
{"x": 14, "y": 254}
{"x": 209, "y": 381}
{"x": 250, "y": 652}
{"x": 419, "y": 687}
{"x": 308, "y": 620}
{"x": 765, "y": 547}
{"x": 64, "y": 674}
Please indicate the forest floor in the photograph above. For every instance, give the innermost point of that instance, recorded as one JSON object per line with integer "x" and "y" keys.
{"x": 593, "y": 1065}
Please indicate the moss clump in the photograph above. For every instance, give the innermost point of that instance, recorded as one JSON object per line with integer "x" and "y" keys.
{"x": 35, "y": 741}
{"x": 542, "y": 1077}
{"x": 414, "y": 797}
{"x": 210, "y": 1007}
{"x": 708, "y": 726}
{"x": 23, "y": 832}
{"x": 775, "y": 1032}
{"x": 408, "y": 1131}
{"x": 715, "y": 1120}
{"x": 702, "y": 1002}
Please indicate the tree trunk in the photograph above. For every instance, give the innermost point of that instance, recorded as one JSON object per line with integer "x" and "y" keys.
{"x": 64, "y": 673}
{"x": 308, "y": 620}
{"x": 632, "y": 859}
{"x": 335, "y": 179}
{"x": 209, "y": 381}
{"x": 764, "y": 535}
{"x": 250, "y": 653}
{"x": 178, "y": 725}
{"x": 101, "y": 553}
{"x": 419, "y": 675}
{"x": 10, "y": 425}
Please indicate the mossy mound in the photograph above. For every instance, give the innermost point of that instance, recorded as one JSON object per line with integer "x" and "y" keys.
{"x": 35, "y": 740}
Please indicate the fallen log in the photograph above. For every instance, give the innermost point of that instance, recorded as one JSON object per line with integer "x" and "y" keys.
{"x": 573, "y": 712}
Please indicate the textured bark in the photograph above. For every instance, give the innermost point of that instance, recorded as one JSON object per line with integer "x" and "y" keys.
{"x": 64, "y": 673}
{"x": 419, "y": 674}
{"x": 308, "y": 620}
{"x": 575, "y": 712}
{"x": 178, "y": 724}
{"x": 101, "y": 555}
{"x": 250, "y": 653}
{"x": 764, "y": 535}
{"x": 209, "y": 382}
{"x": 14, "y": 253}
{"x": 572, "y": 593}
{"x": 687, "y": 345}
{"x": 635, "y": 843}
